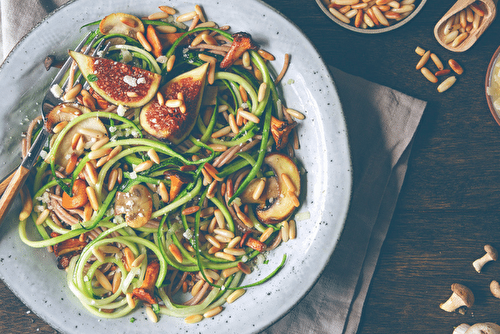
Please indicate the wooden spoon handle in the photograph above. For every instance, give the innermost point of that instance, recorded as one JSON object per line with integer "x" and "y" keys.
{"x": 5, "y": 182}
{"x": 17, "y": 181}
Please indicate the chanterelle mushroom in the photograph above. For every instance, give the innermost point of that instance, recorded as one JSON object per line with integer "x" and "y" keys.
{"x": 462, "y": 296}
{"x": 479, "y": 328}
{"x": 491, "y": 255}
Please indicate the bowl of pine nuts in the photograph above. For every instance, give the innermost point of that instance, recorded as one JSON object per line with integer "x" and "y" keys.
{"x": 372, "y": 17}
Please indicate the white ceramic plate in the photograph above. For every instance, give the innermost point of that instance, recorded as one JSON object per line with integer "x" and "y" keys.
{"x": 308, "y": 86}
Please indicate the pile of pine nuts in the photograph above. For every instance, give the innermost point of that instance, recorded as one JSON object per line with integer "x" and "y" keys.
{"x": 433, "y": 77}
{"x": 459, "y": 26}
{"x": 371, "y": 13}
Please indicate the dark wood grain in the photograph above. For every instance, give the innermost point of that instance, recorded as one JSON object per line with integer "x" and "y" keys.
{"x": 450, "y": 202}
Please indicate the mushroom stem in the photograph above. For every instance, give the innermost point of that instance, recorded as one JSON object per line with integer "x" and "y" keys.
{"x": 462, "y": 296}
{"x": 491, "y": 255}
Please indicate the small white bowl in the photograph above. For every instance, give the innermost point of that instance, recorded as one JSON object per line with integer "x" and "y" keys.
{"x": 324, "y": 7}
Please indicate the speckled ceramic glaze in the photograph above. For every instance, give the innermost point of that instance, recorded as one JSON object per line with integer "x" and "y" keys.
{"x": 324, "y": 153}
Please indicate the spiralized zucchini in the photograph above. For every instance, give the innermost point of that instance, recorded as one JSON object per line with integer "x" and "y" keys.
{"x": 200, "y": 230}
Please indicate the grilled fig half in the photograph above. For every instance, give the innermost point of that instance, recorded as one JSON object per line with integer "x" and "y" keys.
{"x": 118, "y": 83}
{"x": 173, "y": 121}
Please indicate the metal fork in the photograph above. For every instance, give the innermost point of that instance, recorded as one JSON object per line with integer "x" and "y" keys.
{"x": 49, "y": 102}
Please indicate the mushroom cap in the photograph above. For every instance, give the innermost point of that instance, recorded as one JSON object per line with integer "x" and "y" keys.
{"x": 464, "y": 293}
{"x": 495, "y": 288}
{"x": 484, "y": 328}
{"x": 491, "y": 251}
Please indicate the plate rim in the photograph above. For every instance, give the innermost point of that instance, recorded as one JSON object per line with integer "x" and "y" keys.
{"x": 348, "y": 185}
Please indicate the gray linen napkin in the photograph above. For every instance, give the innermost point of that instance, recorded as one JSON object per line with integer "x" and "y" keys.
{"x": 381, "y": 125}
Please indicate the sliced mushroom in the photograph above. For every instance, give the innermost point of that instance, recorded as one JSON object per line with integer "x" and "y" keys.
{"x": 67, "y": 112}
{"x": 283, "y": 202}
{"x": 479, "y": 328}
{"x": 121, "y": 23}
{"x": 136, "y": 204}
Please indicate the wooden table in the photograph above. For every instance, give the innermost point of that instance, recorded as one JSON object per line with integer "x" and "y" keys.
{"x": 449, "y": 206}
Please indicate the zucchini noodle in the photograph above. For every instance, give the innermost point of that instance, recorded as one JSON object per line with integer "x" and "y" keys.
{"x": 138, "y": 220}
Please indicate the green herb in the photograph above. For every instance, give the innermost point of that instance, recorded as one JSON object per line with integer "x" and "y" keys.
{"x": 132, "y": 320}
{"x": 92, "y": 78}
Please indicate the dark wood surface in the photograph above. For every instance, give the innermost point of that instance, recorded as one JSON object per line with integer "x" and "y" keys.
{"x": 449, "y": 205}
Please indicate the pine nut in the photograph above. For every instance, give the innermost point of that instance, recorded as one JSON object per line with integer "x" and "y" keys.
{"x": 437, "y": 61}
{"x": 339, "y": 15}
{"x": 143, "y": 166}
{"x": 230, "y": 271}
{"x": 175, "y": 252}
{"x": 212, "y": 171}
{"x": 92, "y": 198}
{"x": 222, "y": 132}
{"x": 442, "y": 72}
{"x": 58, "y": 128}
{"x": 117, "y": 279}
{"x": 244, "y": 268}
{"x": 219, "y": 217}
{"x": 166, "y": 29}
{"x": 213, "y": 241}
{"x": 212, "y": 189}
{"x": 174, "y": 103}
{"x": 234, "y": 251}
{"x": 186, "y": 16}
{"x": 222, "y": 238}
{"x": 248, "y": 116}
{"x": 429, "y": 75}
{"x": 234, "y": 242}
{"x": 160, "y": 99}
{"x": 266, "y": 55}
{"x": 380, "y": 17}
{"x": 224, "y": 232}
{"x": 192, "y": 319}
{"x": 41, "y": 218}
{"x": 163, "y": 192}
{"x": 261, "y": 95}
{"x": 190, "y": 210}
{"x": 243, "y": 93}
{"x": 91, "y": 133}
{"x": 259, "y": 189}
{"x": 446, "y": 84}
{"x": 218, "y": 147}
{"x": 129, "y": 258}
{"x": 450, "y": 37}
{"x": 98, "y": 144}
{"x": 421, "y": 63}
{"x": 144, "y": 42}
{"x": 114, "y": 153}
{"x": 284, "y": 231}
{"x": 113, "y": 176}
{"x": 72, "y": 93}
{"x": 170, "y": 63}
{"x": 292, "y": 229}
{"x": 98, "y": 254}
{"x": 130, "y": 300}
{"x": 167, "y": 9}
{"x": 87, "y": 212}
{"x": 91, "y": 172}
{"x": 151, "y": 314}
{"x": 103, "y": 280}
{"x": 460, "y": 38}
{"x": 267, "y": 233}
{"x": 70, "y": 166}
{"x": 232, "y": 124}
{"x": 158, "y": 16}
{"x": 99, "y": 153}
{"x": 288, "y": 182}
{"x": 138, "y": 261}
{"x": 213, "y": 312}
{"x": 225, "y": 256}
{"x": 244, "y": 218}
{"x": 235, "y": 295}
{"x": 197, "y": 287}
{"x": 294, "y": 113}
{"x": 295, "y": 199}
{"x": 455, "y": 66}
{"x": 75, "y": 139}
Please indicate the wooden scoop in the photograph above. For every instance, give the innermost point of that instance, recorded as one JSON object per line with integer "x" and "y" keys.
{"x": 490, "y": 10}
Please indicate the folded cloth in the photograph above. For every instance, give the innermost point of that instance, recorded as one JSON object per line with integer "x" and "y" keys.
{"x": 381, "y": 124}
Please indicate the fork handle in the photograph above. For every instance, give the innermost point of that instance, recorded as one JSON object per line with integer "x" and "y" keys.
{"x": 18, "y": 179}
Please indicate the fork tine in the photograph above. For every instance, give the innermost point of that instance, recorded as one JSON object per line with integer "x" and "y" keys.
{"x": 68, "y": 62}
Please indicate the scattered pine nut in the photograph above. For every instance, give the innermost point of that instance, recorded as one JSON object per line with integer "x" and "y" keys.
{"x": 235, "y": 295}
{"x": 421, "y": 63}
{"x": 446, "y": 84}
{"x": 455, "y": 66}
{"x": 192, "y": 319}
{"x": 429, "y": 75}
